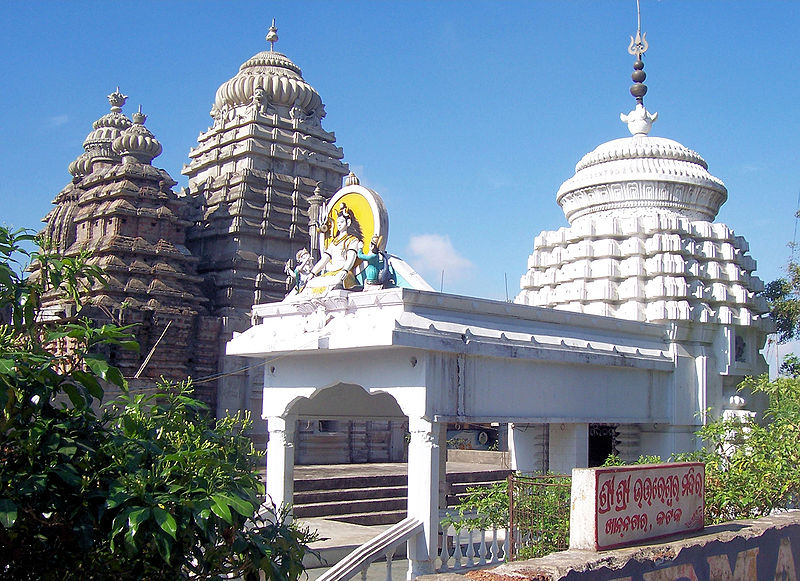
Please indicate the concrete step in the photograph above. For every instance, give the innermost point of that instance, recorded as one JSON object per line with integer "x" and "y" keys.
{"x": 478, "y": 476}
{"x": 461, "y": 488}
{"x": 373, "y": 518}
{"x": 347, "y": 494}
{"x": 336, "y": 508}
{"x": 374, "y": 499}
{"x": 333, "y": 482}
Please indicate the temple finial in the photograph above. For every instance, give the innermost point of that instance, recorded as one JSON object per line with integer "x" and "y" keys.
{"x": 272, "y": 36}
{"x": 117, "y": 100}
{"x": 639, "y": 120}
{"x": 637, "y": 48}
{"x": 139, "y": 118}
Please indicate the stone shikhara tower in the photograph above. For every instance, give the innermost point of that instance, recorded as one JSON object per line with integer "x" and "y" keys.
{"x": 256, "y": 173}
{"x": 123, "y": 211}
{"x": 200, "y": 261}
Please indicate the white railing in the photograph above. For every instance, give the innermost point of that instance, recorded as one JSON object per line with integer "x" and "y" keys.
{"x": 464, "y": 549}
{"x": 384, "y": 546}
{"x": 459, "y": 550}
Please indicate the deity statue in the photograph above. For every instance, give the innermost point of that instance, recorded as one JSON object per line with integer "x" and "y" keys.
{"x": 376, "y": 271}
{"x": 298, "y": 275}
{"x": 335, "y": 267}
{"x": 259, "y": 103}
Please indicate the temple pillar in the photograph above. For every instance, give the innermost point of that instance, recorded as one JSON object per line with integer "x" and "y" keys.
{"x": 527, "y": 444}
{"x": 569, "y": 447}
{"x": 280, "y": 459}
{"x": 424, "y": 460}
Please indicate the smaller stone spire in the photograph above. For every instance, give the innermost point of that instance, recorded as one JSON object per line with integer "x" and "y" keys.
{"x": 639, "y": 120}
{"x": 272, "y": 36}
{"x": 98, "y": 145}
{"x": 136, "y": 143}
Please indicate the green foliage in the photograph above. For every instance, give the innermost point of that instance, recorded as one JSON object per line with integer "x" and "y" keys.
{"x": 148, "y": 487}
{"x": 483, "y": 507}
{"x": 790, "y": 367}
{"x": 541, "y": 515}
{"x": 615, "y": 460}
{"x": 751, "y": 468}
{"x": 783, "y": 298}
{"x": 541, "y": 512}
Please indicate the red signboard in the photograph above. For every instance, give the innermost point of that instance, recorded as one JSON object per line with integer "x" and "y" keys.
{"x": 637, "y": 503}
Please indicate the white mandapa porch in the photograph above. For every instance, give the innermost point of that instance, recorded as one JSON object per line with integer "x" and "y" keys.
{"x": 437, "y": 358}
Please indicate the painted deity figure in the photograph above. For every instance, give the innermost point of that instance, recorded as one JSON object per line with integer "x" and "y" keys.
{"x": 376, "y": 271}
{"x": 298, "y": 275}
{"x": 335, "y": 268}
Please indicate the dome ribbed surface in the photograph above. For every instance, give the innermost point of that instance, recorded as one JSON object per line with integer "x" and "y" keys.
{"x": 277, "y": 75}
{"x": 642, "y": 175}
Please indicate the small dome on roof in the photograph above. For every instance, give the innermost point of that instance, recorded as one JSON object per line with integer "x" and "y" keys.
{"x": 136, "y": 142}
{"x": 98, "y": 145}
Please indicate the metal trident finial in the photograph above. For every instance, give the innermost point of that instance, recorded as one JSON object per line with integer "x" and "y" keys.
{"x": 272, "y": 36}
{"x": 638, "y": 46}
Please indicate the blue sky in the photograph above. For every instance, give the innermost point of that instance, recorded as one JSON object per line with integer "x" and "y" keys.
{"x": 465, "y": 116}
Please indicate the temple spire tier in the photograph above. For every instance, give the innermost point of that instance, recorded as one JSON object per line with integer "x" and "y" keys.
{"x": 257, "y": 173}
{"x": 123, "y": 212}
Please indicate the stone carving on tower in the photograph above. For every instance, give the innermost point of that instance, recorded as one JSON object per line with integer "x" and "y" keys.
{"x": 123, "y": 211}
{"x": 257, "y": 172}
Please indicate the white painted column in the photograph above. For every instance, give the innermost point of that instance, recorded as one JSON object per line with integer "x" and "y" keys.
{"x": 424, "y": 458}
{"x": 280, "y": 459}
{"x": 526, "y": 444}
{"x": 569, "y": 447}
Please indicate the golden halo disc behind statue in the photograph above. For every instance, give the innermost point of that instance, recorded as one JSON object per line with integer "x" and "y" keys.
{"x": 367, "y": 208}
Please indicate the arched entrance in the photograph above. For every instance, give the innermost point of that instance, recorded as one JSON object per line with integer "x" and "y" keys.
{"x": 346, "y": 424}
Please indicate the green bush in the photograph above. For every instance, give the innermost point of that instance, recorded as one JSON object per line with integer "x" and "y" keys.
{"x": 148, "y": 487}
{"x": 751, "y": 467}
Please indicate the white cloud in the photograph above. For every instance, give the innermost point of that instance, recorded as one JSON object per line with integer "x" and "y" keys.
{"x": 57, "y": 120}
{"x": 430, "y": 254}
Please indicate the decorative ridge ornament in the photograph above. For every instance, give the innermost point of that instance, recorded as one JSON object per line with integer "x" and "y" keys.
{"x": 98, "y": 145}
{"x": 638, "y": 46}
{"x": 639, "y": 120}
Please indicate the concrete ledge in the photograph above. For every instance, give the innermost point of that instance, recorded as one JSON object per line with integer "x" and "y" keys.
{"x": 490, "y": 457}
{"x": 766, "y": 548}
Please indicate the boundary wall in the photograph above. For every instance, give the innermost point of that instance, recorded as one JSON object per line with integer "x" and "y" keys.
{"x": 747, "y": 550}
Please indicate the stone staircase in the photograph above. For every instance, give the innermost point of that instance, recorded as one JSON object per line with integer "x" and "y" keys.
{"x": 373, "y": 499}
